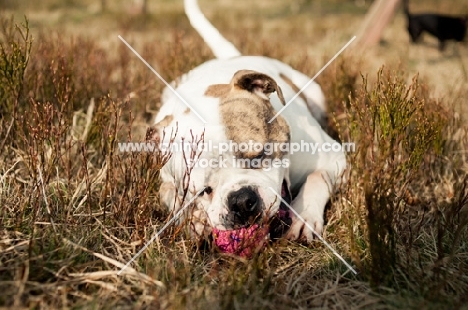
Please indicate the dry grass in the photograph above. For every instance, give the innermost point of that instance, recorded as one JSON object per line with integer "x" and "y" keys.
{"x": 74, "y": 209}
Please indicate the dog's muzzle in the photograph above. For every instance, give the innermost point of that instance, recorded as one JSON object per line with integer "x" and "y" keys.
{"x": 244, "y": 208}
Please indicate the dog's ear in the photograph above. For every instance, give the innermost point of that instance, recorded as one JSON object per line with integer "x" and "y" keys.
{"x": 152, "y": 133}
{"x": 258, "y": 83}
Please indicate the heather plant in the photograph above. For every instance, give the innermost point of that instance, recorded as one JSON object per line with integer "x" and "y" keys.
{"x": 398, "y": 133}
{"x": 15, "y": 50}
{"x": 393, "y": 131}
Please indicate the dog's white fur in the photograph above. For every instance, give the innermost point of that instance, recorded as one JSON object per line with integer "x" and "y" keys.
{"x": 311, "y": 177}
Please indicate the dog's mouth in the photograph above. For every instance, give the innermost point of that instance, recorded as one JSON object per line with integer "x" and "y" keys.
{"x": 245, "y": 240}
{"x": 246, "y": 208}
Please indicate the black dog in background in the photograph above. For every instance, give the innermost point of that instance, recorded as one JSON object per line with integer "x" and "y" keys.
{"x": 443, "y": 27}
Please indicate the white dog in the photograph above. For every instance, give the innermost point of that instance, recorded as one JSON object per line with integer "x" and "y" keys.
{"x": 232, "y": 95}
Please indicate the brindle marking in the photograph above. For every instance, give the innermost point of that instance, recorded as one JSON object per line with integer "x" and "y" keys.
{"x": 246, "y": 109}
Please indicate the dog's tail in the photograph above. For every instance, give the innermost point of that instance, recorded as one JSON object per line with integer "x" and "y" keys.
{"x": 220, "y": 47}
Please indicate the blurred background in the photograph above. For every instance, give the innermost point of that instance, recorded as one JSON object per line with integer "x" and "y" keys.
{"x": 313, "y": 28}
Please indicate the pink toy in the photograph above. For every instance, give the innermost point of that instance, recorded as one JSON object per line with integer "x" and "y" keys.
{"x": 246, "y": 241}
{"x": 243, "y": 242}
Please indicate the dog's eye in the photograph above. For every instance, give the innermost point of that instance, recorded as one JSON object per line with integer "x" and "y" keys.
{"x": 208, "y": 190}
{"x": 254, "y": 155}
{"x": 259, "y": 156}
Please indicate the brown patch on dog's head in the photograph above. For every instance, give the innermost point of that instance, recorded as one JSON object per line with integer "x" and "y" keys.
{"x": 246, "y": 109}
{"x": 217, "y": 90}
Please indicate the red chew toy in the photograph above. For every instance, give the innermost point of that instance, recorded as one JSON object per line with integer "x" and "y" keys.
{"x": 243, "y": 242}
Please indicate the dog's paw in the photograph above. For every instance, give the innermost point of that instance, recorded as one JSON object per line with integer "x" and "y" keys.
{"x": 306, "y": 228}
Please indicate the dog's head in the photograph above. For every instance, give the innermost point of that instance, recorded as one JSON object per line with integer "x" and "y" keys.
{"x": 254, "y": 155}
{"x": 239, "y": 193}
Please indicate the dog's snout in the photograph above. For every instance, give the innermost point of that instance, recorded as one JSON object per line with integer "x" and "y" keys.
{"x": 244, "y": 206}
{"x": 245, "y": 200}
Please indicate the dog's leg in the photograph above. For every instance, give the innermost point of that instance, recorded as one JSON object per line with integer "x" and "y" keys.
{"x": 415, "y": 32}
{"x": 310, "y": 204}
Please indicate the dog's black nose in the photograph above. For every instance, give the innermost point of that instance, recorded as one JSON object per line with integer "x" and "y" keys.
{"x": 244, "y": 207}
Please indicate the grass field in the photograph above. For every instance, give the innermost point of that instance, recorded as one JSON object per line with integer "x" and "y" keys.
{"x": 73, "y": 210}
